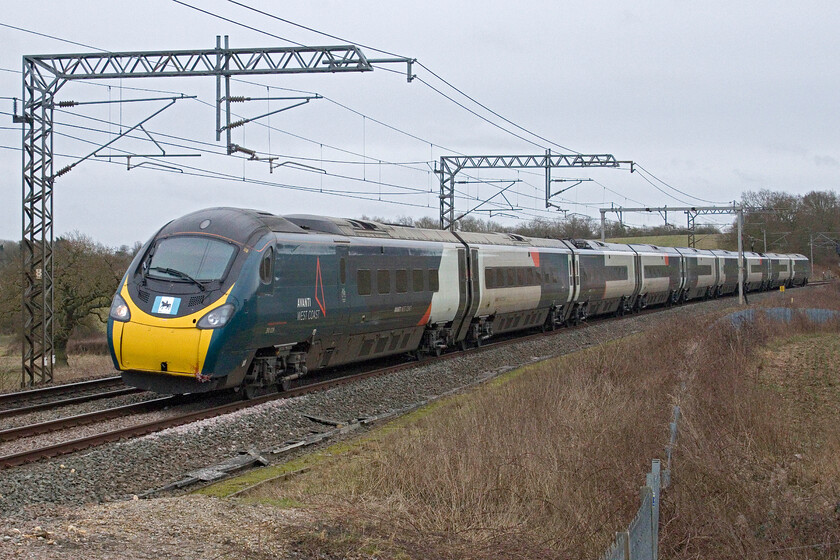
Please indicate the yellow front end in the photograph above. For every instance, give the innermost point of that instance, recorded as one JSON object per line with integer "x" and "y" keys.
{"x": 160, "y": 344}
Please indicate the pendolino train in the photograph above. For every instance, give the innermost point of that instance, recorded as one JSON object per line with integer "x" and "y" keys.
{"x": 232, "y": 298}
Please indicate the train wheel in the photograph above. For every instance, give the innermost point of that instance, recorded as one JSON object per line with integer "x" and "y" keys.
{"x": 250, "y": 392}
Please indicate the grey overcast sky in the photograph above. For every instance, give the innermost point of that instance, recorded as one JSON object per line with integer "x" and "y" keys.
{"x": 713, "y": 98}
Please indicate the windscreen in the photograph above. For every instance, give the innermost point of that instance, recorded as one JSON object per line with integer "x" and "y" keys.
{"x": 201, "y": 258}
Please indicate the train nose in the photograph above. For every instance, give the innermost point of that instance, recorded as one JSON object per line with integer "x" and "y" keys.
{"x": 165, "y": 349}
{"x": 171, "y": 345}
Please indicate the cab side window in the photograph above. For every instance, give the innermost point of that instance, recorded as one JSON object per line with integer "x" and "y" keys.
{"x": 266, "y": 266}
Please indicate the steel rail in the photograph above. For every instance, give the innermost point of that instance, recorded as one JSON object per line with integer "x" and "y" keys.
{"x": 72, "y": 400}
{"x": 80, "y": 419}
{"x": 158, "y": 425}
{"x": 58, "y": 389}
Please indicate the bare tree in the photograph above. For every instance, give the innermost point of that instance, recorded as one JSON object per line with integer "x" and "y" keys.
{"x": 86, "y": 277}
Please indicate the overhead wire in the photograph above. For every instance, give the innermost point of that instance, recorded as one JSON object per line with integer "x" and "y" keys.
{"x": 433, "y": 73}
{"x": 252, "y": 28}
{"x": 411, "y": 190}
{"x": 50, "y": 37}
{"x": 678, "y": 190}
{"x": 240, "y": 24}
{"x": 338, "y": 103}
{"x": 283, "y": 39}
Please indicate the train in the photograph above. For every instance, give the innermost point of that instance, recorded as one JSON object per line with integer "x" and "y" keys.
{"x": 228, "y": 298}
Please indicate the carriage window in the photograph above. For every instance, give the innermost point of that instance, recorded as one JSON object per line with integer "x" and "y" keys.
{"x": 363, "y": 282}
{"x": 383, "y": 281}
{"x": 511, "y": 277}
{"x": 265, "y": 266}
{"x": 529, "y": 276}
{"x": 433, "y": 280}
{"x": 417, "y": 280}
{"x": 520, "y": 276}
{"x": 343, "y": 270}
{"x": 401, "y": 281}
{"x": 489, "y": 278}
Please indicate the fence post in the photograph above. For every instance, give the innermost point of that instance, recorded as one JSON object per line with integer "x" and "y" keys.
{"x": 625, "y": 536}
{"x": 653, "y": 480}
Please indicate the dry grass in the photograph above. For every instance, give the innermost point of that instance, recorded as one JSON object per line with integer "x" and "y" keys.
{"x": 547, "y": 464}
{"x": 758, "y": 463}
{"x": 815, "y": 297}
{"x": 82, "y": 364}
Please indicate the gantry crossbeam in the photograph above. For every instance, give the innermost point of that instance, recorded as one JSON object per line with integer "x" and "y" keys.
{"x": 450, "y": 166}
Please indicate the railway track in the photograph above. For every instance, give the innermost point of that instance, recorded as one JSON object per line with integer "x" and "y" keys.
{"x": 138, "y": 430}
{"x": 48, "y": 426}
{"x": 24, "y": 402}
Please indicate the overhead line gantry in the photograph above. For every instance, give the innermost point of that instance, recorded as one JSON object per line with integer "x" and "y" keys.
{"x": 43, "y": 77}
{"x": 692, "y": 212}
{"x": 450, "y": 166}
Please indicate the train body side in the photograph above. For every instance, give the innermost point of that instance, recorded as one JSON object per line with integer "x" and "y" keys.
{"x": 285, "y": 295}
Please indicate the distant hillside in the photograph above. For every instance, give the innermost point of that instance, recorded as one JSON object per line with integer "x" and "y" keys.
{"x": 704, "y": 240}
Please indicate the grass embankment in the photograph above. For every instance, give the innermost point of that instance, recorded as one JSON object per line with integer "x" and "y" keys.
{"x": 87, "y": 358}
{"x": 758, "y": 465}
{"x": 704, "y": 241}
{"x": 546, "y": 462}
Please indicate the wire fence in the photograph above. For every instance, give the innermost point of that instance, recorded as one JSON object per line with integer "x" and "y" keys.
{"x": 641, "y": 539}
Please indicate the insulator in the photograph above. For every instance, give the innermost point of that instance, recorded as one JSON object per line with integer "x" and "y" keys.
{"x": 237, "y": 123}
{"x": 67, "y": 103}
{"x": 64, "y": 170}
{"x": 238, "y": 98}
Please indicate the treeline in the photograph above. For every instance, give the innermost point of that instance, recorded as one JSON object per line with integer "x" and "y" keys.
{"x": 86, "y": 275}
{"x": 790, "y": 223}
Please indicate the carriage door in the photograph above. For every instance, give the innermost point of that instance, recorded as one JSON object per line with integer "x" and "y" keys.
{"x": 338, "y": 314}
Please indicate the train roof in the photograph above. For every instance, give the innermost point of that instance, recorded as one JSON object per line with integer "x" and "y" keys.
{"x": 351, "y": 227}
{"x": 509, "y": 239}
{"x": 237, "y": 224}
{"x": 647, "y": 247}
{"x": 595, "y": 245}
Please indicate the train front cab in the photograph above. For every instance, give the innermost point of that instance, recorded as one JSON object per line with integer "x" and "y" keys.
{"x": 172, "y": 301}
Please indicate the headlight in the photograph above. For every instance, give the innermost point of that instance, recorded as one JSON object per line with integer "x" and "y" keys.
{"x": 119, "y": 309}
{"x": 216, "y": 318}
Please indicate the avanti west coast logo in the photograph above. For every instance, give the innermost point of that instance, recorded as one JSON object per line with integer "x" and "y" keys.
{"x": 304, "y": 304}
